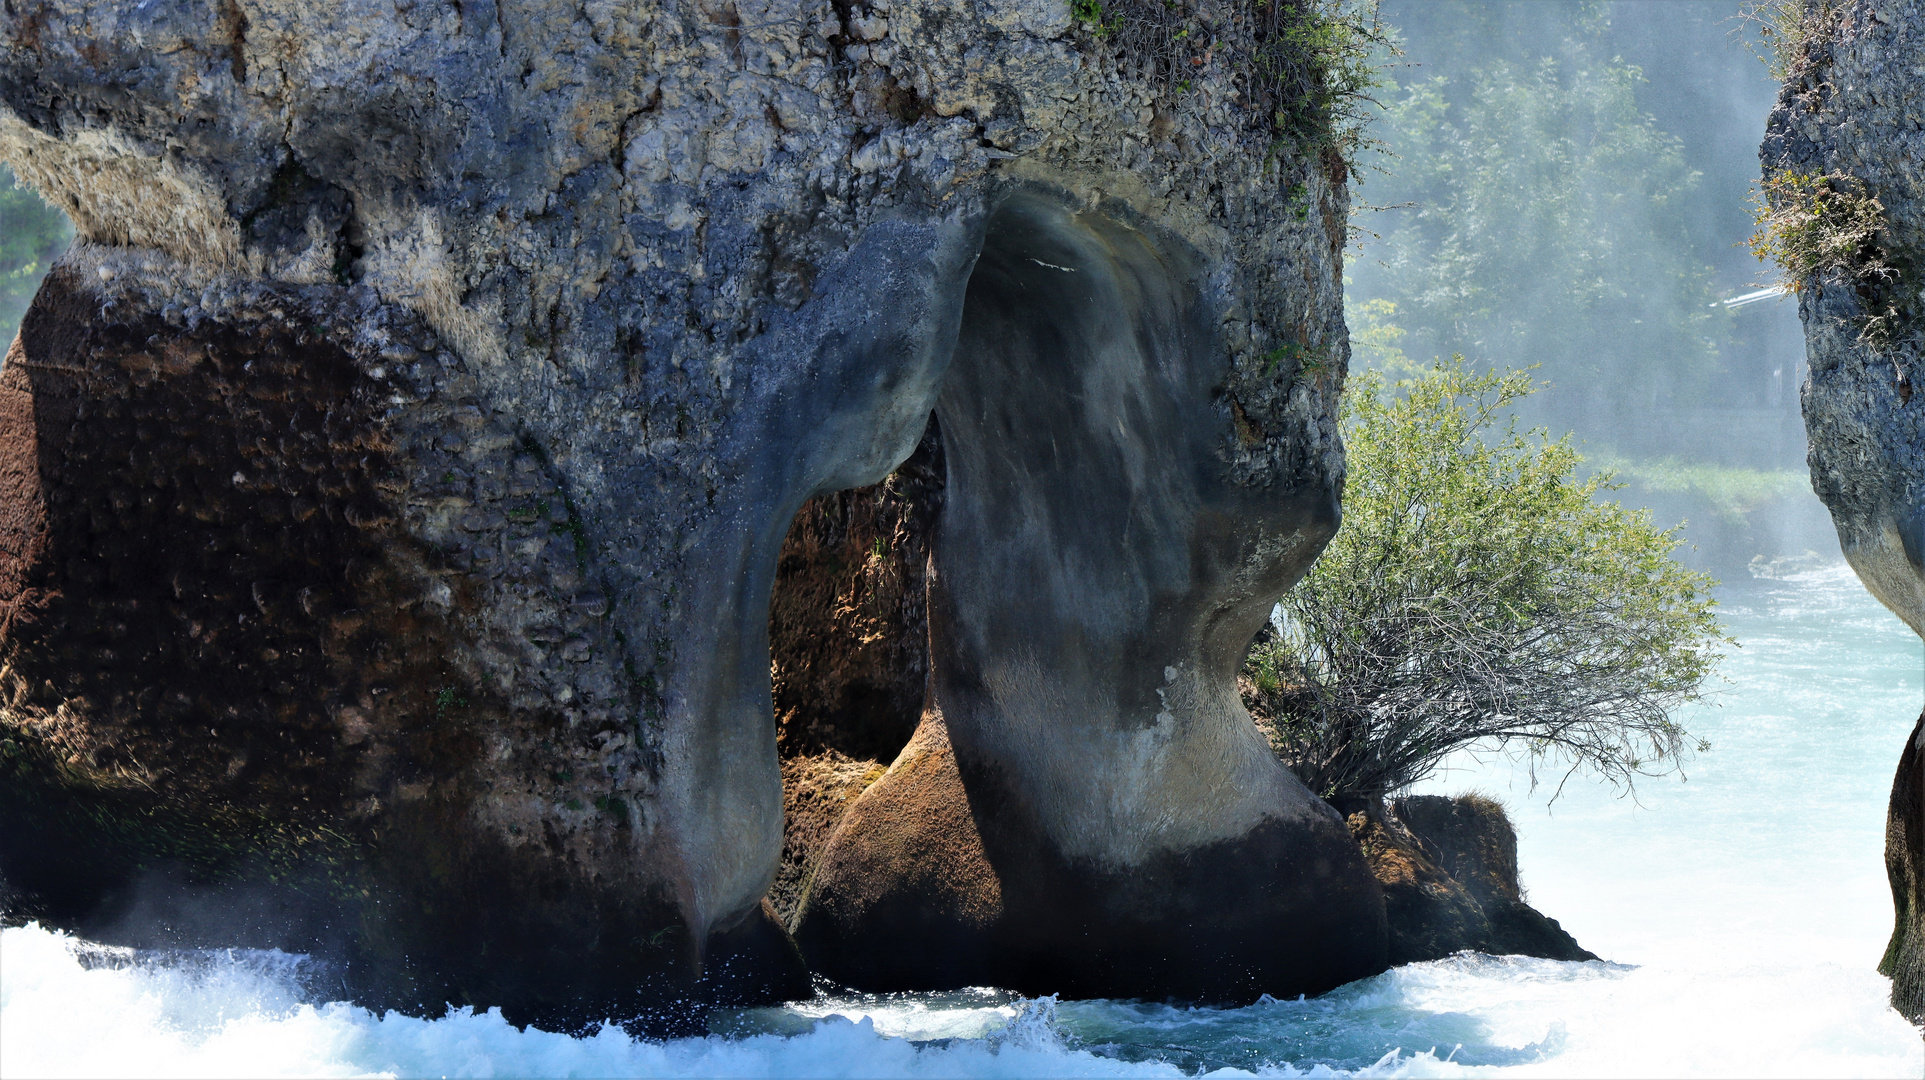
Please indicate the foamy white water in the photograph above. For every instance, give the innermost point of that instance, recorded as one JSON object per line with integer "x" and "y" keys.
{"x": 1741, "y": 914}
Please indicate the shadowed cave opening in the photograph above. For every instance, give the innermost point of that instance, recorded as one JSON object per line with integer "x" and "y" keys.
{"x": 849, "y": 649}
{"x": 849, "y": 618}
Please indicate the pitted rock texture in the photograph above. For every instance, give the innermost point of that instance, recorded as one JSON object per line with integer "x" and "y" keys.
{"x": 282, "y": 601}
{"x": 1853, "y": 106}
{"x": 818, "y": 790}
{"x": 543, "y": 321}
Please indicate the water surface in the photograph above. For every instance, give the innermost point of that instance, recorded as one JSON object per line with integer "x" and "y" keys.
{"x": 1740, "y": 913}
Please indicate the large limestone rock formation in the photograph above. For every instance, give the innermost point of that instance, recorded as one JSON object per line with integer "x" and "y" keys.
{"x": 1852, "y": 106}
{"x": 394, "y": 474}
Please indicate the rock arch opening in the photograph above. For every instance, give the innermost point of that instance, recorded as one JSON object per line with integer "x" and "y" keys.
{"x": 1084, "y": 805}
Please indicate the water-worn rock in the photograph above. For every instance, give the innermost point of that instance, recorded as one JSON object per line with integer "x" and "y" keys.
{"x": 395, "y": 473}
{"x": 1448, "y": 868}
{"x": 818, "y": 791}
{"x": 1079, "y": 396}
{"x": 1428, "y": 913}
{"x": 1469, "y": 841}
{"x": 1851, "y": 106}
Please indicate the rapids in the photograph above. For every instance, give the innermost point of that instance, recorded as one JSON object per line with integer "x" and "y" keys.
{"x": 1741, "y": 912}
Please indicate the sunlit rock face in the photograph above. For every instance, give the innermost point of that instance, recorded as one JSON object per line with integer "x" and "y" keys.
{"x": 1854, "y": 108}
{"x": 393, "y": 476}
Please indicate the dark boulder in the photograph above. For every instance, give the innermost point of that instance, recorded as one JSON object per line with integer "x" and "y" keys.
{"x": 1471, "y": 847}
{"x": 939, "y": 879}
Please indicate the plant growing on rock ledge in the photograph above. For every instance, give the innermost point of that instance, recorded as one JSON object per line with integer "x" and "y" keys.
{"x": 1811, "y": 225}
{"x": 1478, "y": 595}
{"x": 1316, "y": 65}
{"x": 1308, "y": 67}
{"x": 1786, "y": 30}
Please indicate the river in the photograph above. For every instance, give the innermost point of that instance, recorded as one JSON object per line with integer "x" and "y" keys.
{"x": 1740, "y": 912}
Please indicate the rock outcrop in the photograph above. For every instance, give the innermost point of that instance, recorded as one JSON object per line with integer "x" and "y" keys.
{"x": 1449, "y": 871}
{"x": 394, "y": 477}
{"x": 1904, "y": 960}
{"x": 1850, "y": 107}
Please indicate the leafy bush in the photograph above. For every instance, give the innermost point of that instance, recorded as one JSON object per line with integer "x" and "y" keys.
{"x": 1478, "y": 594}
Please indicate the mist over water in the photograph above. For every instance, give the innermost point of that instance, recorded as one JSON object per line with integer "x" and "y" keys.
{"x": 1741, "y": 914}
{"x": 1565, "y": 186}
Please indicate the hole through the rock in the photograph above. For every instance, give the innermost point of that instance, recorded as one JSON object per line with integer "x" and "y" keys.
{"x": 848, "y": 648}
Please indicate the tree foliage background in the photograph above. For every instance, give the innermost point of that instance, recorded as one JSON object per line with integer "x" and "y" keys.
{"x": 31, "y": 235}
{"x": 1567, "y": 189}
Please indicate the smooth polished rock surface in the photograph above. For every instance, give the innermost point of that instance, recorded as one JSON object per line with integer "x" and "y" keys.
{"x": 1095, "y": 579}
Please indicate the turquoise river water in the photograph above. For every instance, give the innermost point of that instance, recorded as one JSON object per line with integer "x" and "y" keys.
{"x": 1741, "y": 912}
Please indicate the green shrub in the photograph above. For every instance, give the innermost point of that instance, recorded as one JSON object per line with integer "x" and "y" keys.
{"x": 1478, "y": 594}
{"x": 1818, "y": 225}
{"x": 1813, "y": 224}
{"x": 1319, "y": 62}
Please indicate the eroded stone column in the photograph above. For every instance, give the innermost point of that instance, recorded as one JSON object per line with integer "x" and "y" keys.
{"x": 1088, "y": 808}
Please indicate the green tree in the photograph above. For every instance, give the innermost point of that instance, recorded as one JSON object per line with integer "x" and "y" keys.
{"x": 1539, "y": 215}
{"x": 1478, "y": 594}
{"x": 1546, "y": 229}
{"x": 31, "y": 235}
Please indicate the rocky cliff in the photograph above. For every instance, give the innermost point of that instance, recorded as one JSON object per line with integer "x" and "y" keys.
{"x": 394, "y": 478}
{"x": 1851, "y": 110}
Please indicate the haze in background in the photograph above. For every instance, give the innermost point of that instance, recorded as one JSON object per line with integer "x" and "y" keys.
{"x": 1566, "y": 185}
{"x": 32, "y": 234}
